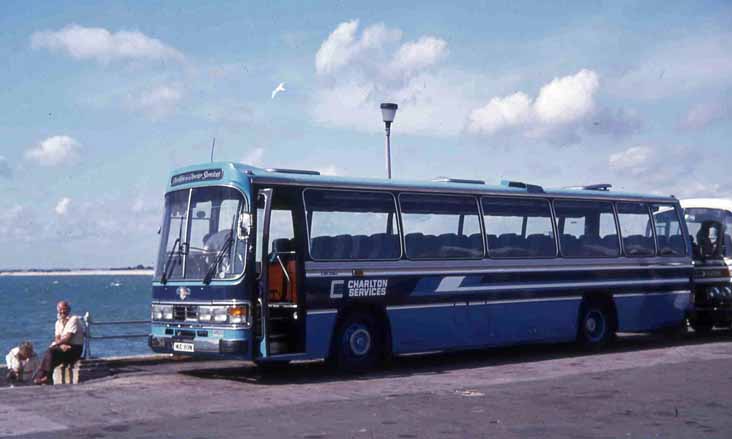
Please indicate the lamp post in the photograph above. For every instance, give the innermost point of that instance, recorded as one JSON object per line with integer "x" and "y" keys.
{"x": 388, "y": 111}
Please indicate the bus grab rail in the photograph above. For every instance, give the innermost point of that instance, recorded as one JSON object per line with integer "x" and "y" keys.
{"x": 88, "y": 337}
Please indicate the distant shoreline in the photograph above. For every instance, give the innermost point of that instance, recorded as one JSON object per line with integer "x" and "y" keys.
{"x": 78, "y": 273}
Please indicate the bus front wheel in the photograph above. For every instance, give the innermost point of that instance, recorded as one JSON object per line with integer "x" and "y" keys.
{"x": 595, "y": 326}
{"x": 357, "y": 343}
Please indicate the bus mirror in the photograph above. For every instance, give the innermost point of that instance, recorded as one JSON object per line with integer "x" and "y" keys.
{"x": 245, "y": 222}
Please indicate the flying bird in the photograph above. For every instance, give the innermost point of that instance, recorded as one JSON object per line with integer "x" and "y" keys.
{"x": 279, "y": 88}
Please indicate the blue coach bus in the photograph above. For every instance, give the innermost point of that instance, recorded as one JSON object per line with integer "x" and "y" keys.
{"x": 280, "y": 265}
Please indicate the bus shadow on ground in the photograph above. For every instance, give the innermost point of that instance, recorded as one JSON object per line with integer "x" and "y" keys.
{"x": 313, "y": 372}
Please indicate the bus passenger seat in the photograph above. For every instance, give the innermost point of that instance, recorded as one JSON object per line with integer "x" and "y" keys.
{"x": 342, "y": 247}
{"x": 447, "y": 245}
{"x": 321, "y": 247}
{"x": 383, "y": 246}
{"x": 492, "y": 241}
{"x": 361, "y": 247}
{"x": 570, "y": 245}
{"x": 540, "y": 245}
{"x": 677, "y": 245}
{"x": 413, "y": 242}
{"x": 663, "y": 244}
{"x": 475, "y": 243}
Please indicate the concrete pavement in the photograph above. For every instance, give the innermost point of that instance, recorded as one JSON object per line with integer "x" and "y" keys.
{"x": 646, "y": 386}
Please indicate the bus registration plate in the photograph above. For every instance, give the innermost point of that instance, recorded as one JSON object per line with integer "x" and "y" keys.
{"x": 183, "y": 347}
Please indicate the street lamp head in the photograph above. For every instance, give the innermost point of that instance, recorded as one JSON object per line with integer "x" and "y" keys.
{"x": 388, "y": 111}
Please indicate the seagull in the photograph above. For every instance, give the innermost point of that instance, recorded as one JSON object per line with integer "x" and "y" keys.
{"x": 279, "y": 88}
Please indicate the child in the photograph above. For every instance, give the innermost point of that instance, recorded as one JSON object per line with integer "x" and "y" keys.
{"x": 22, "y": 362}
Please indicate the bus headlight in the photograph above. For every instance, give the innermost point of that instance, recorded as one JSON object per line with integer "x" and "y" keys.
{"x": 156, "y": 313}
{"x": 205, "y": 313}
{"x": 713, "y": 292}
{"x": 162, "y": 312}
{"x": 219, "y": 314}
{"x": 239, "y": 314}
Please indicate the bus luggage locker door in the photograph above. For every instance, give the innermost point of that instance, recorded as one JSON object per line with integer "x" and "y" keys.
{"x": 265, "y": 196}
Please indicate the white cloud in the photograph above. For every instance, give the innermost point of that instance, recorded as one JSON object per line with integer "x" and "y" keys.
{"x": 435, "y": 100}
{"x": 62, "y": 207}
{"x": 567, "y": 99}
{"x": 501, "y": 113}
{"x": 417, "y": 55}
{"x": 54, "y": 151}
{"x": 158, "y": 101}
{"x": 102, "y": 45}
{"x": 671, "y": 169}
{"x": 342, "y": 45}
{"x": 357, "y": 72}
{"x": 562, "y": 109}
{"x": 338, "y": 48}
{"x": 634, "y": 160}
{"x": 5, "y": 169}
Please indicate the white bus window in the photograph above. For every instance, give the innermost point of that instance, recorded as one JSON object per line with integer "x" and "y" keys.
{"x": 518, "y": 228}
{"x": 637, "y": 235}
{"x": 347, "y": 225}
{"x": 587, "y": 229}
{"x": 441, "y": 226}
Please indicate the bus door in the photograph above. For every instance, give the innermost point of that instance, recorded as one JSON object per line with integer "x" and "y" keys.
{"x": 279, "y": 328}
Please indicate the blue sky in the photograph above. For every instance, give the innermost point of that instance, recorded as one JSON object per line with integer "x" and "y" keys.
{"x": 102, "y": 100}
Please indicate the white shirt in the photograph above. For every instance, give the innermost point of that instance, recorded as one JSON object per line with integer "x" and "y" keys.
{"x": 73, "y": 325}
{"x": 23, "y": 368}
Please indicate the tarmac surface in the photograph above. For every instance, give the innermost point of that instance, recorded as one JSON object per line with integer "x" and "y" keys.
{"x": 643, "y": 387}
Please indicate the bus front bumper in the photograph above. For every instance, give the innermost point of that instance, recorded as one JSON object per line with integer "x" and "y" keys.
{"x": 203, "y": 342}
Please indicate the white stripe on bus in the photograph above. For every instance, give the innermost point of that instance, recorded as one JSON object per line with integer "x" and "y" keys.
{"x": 451, "y": 284}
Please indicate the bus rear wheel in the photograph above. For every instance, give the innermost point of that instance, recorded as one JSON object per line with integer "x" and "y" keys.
{"x": 596, "y": 328}
{"x": 358, "y": 343}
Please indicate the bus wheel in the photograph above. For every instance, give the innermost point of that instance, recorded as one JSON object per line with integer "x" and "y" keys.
{"x": 595, "y": 327}
{"x": 358, "y": 344}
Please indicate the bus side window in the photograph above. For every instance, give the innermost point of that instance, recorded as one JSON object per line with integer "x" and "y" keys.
{"x": 669, "y": 237}
{"x": 637, "y": 236}
{"x": 441, "y": 226}
{"x": 518, "y": 228}
{"x": 352, "y": 225}
{"x": 587, "y": 229}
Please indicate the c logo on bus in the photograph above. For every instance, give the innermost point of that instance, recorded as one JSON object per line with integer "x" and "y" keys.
{"x": 183, "y": 292}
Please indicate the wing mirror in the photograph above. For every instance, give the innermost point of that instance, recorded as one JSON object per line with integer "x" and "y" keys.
{"x": 245, "y": 223}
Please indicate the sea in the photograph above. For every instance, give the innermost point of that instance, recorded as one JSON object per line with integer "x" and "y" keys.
{"x": 28, "y": 304}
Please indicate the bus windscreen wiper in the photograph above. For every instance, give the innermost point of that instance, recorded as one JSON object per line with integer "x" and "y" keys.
{"x": 219, "y": 257}
{"x": 168, "y": 266}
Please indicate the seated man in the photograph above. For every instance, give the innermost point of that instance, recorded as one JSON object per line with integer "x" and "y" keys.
{"x": 68, "y": 343}
{"x": 21, "y": 362}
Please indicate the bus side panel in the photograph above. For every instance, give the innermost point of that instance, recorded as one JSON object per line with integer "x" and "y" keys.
{"x": 426, "y": 328}
{"x": 646, "y": 312}
{"x": 497, "y": 324}
{"x": 320, "y": 326}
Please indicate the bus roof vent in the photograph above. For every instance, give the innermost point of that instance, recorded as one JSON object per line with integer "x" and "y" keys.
{"x": 457, "y": 180}
{"x": 598, "y": 187}
{"x": 533, "y": 188}
{"x": 293, "y": 171}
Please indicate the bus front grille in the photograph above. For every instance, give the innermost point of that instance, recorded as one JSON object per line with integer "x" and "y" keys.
{"x": 185, "y": 312}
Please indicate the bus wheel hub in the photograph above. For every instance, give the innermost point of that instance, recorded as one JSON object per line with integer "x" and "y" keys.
{"x": 360, "y": 342}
